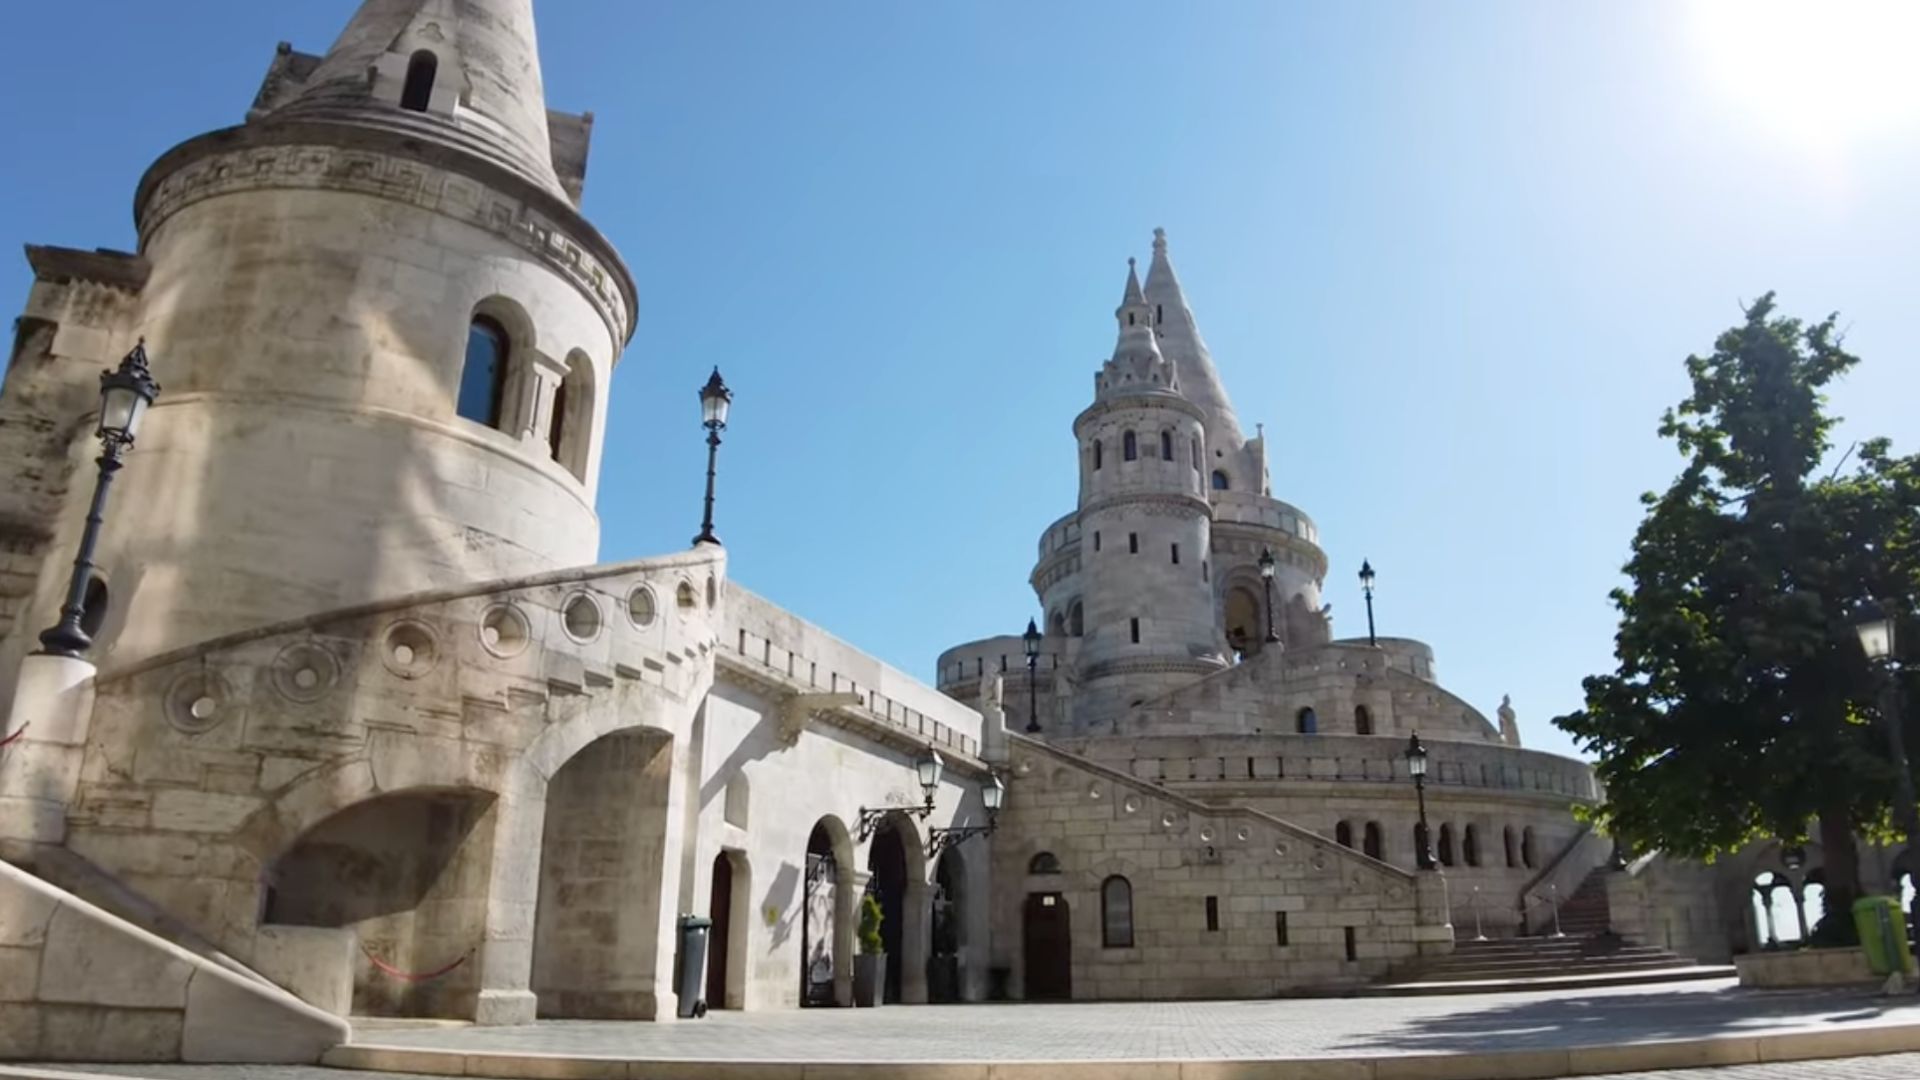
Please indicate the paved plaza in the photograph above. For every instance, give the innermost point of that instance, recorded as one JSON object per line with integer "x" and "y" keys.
{"x": 1350, "y": 1028}
{"x": 1190, "y": 1030}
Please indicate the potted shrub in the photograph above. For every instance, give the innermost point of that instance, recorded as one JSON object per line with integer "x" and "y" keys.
{"x": 870, "y": 966}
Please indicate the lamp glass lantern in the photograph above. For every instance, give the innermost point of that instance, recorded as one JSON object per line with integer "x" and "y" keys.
{"x": 1032, "y": 639}
{"x": 715, "y": 399}
{"x": 1416, "y": 757}
{"x": 994, "y": 795}
{"x": 931, "y": 768}
{"x": 1875, "y": 628}
{"x": 1266, "y": 563}
{"x": 125, "y": 393}
{"x": 1366, "y": 574}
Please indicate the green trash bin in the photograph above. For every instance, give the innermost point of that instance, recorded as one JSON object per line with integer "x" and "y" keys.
{"x": 1883, "y": 934}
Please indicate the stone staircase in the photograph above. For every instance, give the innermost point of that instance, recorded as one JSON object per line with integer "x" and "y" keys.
{"x": 1585, "y": 953}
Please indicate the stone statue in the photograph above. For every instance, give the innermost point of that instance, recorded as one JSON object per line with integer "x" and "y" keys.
{"x": 1509, "y": 723}
{"x": 992, "y": 692}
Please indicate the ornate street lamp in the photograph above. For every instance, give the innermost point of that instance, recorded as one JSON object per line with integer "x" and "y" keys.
{"x": 1417, "y": 768}
{"x": 1366, "y": 586}
{"x": 125, "y": 394}
{"x": 991, "y": 796}
{"x": 1876, "y": 629}
{"x": 1266, "y": 579}
{"x": 928, "y": 770}
{"x": 1032, "y": 640}
{"x": 715, "y": 400}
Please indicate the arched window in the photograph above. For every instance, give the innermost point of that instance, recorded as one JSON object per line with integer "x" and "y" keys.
{"x": 1057, "y": 624}
{"x": 1362, "y": 720}
{"x": 1196, "y": 455}
{"x": 1043, "y": 863}
{"x": 417, "y": 93}
{"x": 1076, "y": 621}
{"x": 1777, "y": 916}
{"x": 1343, "y": 834}
{"x": 1526, "y": 847}
{"x": 1470, "y": 845}
{"x": 570, "y": 431}
{"x": 1371, "y": 842}
{"x": 483, "y": 381}
{"x": 1513, "y": 851}
{"x": 1219, "y": 480}
{"x": 1166, "y": 445}
{"x": 1096, "y": 453}
{"x": 1129, "y": 447}
{"x": 1305, "y": 722}
{"x": 1446, "y": 845}
{"x": 1116, "y": 913}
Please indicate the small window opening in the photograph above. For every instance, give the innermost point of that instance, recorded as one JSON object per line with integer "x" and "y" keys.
{"x": 1129, "y": 318}
{"x": 1213, "y": 914}
{"x": 1096, "y": 454}
{"x": 1166, "y": 445}
{"x": 1343, "y": 834}
{"x": 1133, "y": 626}
{"x": 1159, "y": 314}
{"x": 556, "y": 431}
{"x": 1133, "y": 543}
{"x": 1096, "y": 540}
{"x": 1219, "y": 480}
{"x": 483, "y": 380}
{"x": 1196, "y": 455}
{"x": 1353, "y": 946}
{"x": 1305, "y": 722}
{"x": 1279, "y": 928}
{"x": 1176, "y": 554}
{"x": 1129, "y": 446}
{"x": 1205, "y": 574}
{"x": 417, "y": 93}
{"x": 1362, "y": 720}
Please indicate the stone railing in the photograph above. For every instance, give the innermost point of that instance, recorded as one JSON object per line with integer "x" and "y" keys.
{"x": 963, "y": 665}
{"x": 764, "y": 634}
{"x": 1244, "y": 507}
{"x": 1242, "y": 759}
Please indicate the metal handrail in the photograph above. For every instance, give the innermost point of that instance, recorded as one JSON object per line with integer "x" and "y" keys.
{"x": 1552, "y": 902}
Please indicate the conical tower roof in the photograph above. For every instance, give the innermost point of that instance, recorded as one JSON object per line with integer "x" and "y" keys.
{"x": 1180, "y": 341}
{"x": 487, "y": 94}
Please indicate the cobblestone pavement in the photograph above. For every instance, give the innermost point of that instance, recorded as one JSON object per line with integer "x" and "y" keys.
{"x": 1888, "y": 1067}
{"x": 1189, "y": 1030}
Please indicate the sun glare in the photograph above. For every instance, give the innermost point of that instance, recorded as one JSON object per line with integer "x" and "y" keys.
{"x": 1826, "y": 75}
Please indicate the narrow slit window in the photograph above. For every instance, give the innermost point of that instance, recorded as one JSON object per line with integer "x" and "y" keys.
{"x": 1133, "y": 543}
{"x": 1133, "y": 627}
{"x": 1129, "y": 446}
{"x": 1097, "y": 454}
{"x": 1176, "y": 554}
{"x": 1213, "y": 914}
{"x": 1166, "y": 445}
{"x": 417, "y": 93}
{"x": 1096, "y": 540}
{"x": 1279, "y": 928}
{"x": 1353, "y": 946}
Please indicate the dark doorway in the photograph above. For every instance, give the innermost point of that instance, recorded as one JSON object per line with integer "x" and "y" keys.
{"x": 817, "y": 917}
{"x": 943, "y": 969}
{"x": 1048, "y": 947}
{"x": 887, "y": 862}
{"x": 720, "y": 910}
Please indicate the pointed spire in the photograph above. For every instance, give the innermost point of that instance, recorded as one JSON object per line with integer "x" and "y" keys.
{"x": 1137, "y": 363}
{"x": 462, "y": 73}
{"x": 1181, "y": 342}
{"x": 1133, "y": 296}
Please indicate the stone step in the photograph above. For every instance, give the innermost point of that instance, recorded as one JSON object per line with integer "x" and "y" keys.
{"x": 1420, "y": 988}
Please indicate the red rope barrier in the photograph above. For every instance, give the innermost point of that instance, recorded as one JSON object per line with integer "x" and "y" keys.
{"x": 15, "y": 737}
{"x": 420, "y": 976}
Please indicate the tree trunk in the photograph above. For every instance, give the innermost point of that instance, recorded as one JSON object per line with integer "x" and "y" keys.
{"x": 1841, "y": 862}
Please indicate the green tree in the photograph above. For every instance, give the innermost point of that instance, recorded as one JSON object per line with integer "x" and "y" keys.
{"x": 1742, "y": 707}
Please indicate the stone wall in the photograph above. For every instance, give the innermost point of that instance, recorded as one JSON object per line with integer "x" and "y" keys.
{"x": 77, "y": 984}
{"x": 1281, "y": 900}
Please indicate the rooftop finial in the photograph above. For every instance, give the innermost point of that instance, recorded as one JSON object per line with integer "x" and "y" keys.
{"x": 1159, "y": 241}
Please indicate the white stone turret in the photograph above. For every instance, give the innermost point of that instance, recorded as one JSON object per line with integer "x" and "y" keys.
{"x": 1145, "y": 525}
{"x": 385, "y": 332}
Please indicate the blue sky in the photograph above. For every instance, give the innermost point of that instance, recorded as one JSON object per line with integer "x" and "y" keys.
{"x": 1451, "y": 255}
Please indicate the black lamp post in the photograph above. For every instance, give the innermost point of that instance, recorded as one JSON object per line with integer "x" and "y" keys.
{"x": 715, "y": 399}
{"x": 125, "y": 394}
{"x": 928, "y": 770}
{"x": 1417, "y": 768}
{"x": 1032, "y": 640}
{"x": 991, "y": 796}
{"x": 1876, "y": 630}
{"x": 1366, "y": 586}
{"x": 1266, "y": 579}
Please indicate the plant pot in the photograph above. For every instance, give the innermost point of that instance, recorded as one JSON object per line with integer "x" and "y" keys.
{"x": 869, "y": 980}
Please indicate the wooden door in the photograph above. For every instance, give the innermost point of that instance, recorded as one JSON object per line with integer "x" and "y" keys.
{"x": 720, "y": 910}
{"x": 1048, "y": 947}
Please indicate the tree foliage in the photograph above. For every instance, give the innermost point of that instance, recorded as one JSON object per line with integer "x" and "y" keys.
{"x": 1742, "y": 707}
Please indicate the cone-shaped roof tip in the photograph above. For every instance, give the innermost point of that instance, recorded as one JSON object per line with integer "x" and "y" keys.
{"x": 1133, "y": 294}
{"x": 483, "y": 55}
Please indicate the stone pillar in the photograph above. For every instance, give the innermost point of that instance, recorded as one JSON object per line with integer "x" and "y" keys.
{"x": 916, "y": 910}
{"x": 993, "y": 735}
{"x": 513, "y": 895}
{"x": 846, "y": 920}
{"x": 40, "y": 768}
{"x": 1433, "y": 924}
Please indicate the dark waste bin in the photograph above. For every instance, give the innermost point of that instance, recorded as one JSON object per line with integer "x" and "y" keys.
{"x": 690, "y": 966}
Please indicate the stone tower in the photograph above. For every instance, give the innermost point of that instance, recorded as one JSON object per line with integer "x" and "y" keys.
{"x": 1145, "y": 523}
{"x": 384, "y": 330}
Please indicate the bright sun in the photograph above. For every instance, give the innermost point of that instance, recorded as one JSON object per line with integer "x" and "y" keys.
{"x": 1824, "y": 73}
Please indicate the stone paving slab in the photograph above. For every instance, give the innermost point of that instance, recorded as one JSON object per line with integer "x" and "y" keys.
{"x": 1190, "y": 1030}
{"x": 1886, "y": 1067}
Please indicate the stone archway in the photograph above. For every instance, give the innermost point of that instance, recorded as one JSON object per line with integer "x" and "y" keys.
{"x": 947, "y": 931}
{"x": 597, "y": 936}
{"x": 897, "y": 861}
{"x": 400, "y": 873}
{"x": 827, "y": 916}
{"x": 1244, "y": 618}
{"x": 730, "y": 907}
